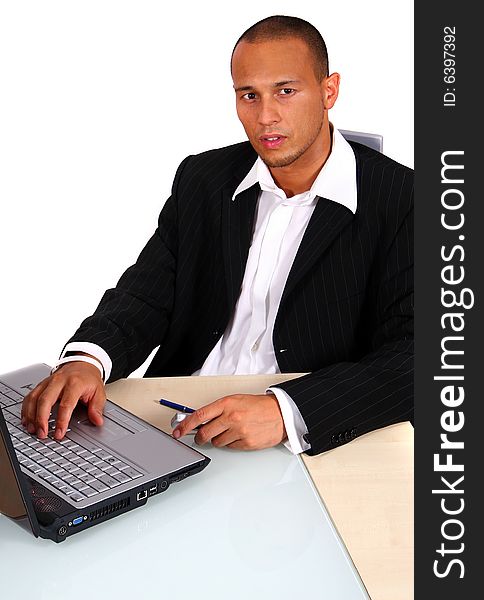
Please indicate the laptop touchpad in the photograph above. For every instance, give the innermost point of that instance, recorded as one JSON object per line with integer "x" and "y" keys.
{"x": 107, "y": 433}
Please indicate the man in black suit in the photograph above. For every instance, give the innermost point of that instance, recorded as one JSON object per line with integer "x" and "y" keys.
{"x": 288, "y": 253}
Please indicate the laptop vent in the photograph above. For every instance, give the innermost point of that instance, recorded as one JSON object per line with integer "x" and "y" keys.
{"x": 109, "y": 509}
{"x": 43, "y": 499}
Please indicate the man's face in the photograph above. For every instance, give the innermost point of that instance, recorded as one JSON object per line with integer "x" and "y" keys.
{"x": 280, "y": 102}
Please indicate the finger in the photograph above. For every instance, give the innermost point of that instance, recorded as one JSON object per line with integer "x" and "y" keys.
{"x": 29, "y": 405}
{"x": 226, "y": 438}
{"x": 45, "y": 402}
{"x": 95, "y": 407}
{"x": 201, "y": 415}
{"x": 241, "y": 445}
{"x": 213, "y": 428}
{"x": 66, "y": 406}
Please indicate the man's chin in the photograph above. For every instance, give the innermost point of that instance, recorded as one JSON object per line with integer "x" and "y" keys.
{"x": 276, "y": 159}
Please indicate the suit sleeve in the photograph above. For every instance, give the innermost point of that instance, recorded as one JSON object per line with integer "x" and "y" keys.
{"x": 132, "y": 318}
{"x": 347, "y": 399}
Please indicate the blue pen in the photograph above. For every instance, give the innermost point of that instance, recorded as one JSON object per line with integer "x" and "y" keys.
{"x": 175, "y": 406}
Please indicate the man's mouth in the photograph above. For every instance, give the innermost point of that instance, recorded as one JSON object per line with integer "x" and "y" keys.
{"x": 272, "y": 140}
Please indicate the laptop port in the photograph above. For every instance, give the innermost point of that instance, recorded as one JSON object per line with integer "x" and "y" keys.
{"x": 77, "y": 520}
{"x": 153, "y": 489}
{"x": 142, "y": 495}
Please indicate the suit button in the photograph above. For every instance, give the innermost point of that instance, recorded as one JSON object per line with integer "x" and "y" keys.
{"x": 347, "y": 435}
{"x": 334, "y": 439}
{"x": 341, "y": 437}
{"x": 353, "y": 432}
{"x": 216, "y": 333}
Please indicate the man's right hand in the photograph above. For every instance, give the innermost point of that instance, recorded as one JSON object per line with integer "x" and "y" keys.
{"x": 72, "y": 382}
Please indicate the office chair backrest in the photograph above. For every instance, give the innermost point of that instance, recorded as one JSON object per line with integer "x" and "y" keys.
{"x": 372, "y": 140}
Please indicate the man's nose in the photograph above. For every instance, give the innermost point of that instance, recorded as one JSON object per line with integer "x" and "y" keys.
{"x": 269, "y": 112}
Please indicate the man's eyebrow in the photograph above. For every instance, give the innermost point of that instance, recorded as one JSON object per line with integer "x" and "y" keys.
{"x": 246, "y": 88}
{"x": 285, "y": 82}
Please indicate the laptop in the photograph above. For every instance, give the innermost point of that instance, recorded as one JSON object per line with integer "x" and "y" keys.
{"x": 59, "y": 488}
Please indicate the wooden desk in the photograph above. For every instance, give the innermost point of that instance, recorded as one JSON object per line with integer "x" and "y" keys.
{"x": 367, "y": 485}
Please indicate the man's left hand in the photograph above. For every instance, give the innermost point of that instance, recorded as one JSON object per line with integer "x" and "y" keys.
{"x": 242, "y": 421}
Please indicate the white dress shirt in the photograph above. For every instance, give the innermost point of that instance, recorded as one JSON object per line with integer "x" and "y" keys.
{"x": 246, "y": 346}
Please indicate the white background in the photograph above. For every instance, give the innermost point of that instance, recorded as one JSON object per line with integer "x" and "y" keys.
{"x": 101, "y": 100}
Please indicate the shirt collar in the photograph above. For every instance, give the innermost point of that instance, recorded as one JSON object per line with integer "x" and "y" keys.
{"x": 336, "y": 181}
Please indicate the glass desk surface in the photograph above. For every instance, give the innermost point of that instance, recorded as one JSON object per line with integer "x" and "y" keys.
{"x": 251, "y": 525}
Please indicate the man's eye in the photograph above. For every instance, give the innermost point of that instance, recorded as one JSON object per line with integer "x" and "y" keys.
{"x": 286, "y": 91}
{"x": 249, "y": 96}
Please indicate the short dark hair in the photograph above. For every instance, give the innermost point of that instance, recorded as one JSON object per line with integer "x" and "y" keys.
{"x": 279, "y": 27}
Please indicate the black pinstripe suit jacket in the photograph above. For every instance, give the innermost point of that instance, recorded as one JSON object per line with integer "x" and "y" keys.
{"x": 346, "y": 314}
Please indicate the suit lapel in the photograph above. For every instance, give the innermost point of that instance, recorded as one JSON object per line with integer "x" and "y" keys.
{"x": 237, "y": 228}
{"x": 326, "y": 222}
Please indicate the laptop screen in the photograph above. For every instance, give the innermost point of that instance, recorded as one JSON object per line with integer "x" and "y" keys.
{"x": 12, "y": 493}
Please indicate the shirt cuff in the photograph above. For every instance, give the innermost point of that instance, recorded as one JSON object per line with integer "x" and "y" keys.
{"x": 92, "y": 349}
{"x": 293, "y": 422}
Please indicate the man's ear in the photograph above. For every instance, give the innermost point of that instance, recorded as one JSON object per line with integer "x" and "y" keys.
{"x": 330, "y": 87}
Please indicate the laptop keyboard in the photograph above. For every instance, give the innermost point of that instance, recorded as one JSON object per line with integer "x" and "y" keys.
{"x": 75, "y": 466}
